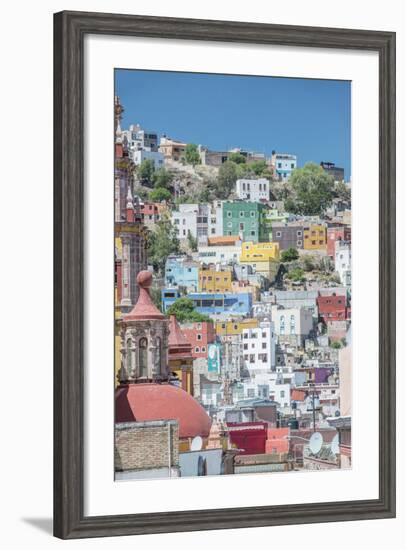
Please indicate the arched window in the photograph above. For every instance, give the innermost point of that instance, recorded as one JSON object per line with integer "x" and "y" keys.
{"x": 143, "y": 357}
{"x": 128, "y": 356}
{"x": 292, "y": 324}
{"x": 159, "y": 354}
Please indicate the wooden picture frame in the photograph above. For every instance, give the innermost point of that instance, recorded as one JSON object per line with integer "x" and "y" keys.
{"x": 70, "y": 29}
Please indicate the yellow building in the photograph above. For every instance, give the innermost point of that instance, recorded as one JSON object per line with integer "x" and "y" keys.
{"x": 315, "y": 237}
{"x": 263, "y": 257}
{"x": 211, "y": 280}
{"x": 259, "y": 252}
{"x": 234, "y": 327}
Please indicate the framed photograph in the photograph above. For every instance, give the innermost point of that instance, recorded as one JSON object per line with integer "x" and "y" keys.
{"x": 224, "y": 224}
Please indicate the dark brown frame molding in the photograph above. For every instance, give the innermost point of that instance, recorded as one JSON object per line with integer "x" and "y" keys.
{"x": 69, "y": 31}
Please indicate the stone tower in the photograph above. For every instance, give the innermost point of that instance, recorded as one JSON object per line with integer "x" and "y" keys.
{"x": 144, "y": 339}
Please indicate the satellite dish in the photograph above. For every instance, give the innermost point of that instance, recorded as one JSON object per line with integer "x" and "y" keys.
{"x": 335, "y": 449}
{"x": 315, "y": 442}
{"x": 197, "y": 443}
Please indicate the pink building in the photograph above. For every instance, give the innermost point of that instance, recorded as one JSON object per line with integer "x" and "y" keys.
{"x": 199, "y": 335}
{"x": 339, "y": 233}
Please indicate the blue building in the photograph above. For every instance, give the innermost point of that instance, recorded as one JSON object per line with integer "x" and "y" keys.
{"x": 180, "y": 271}
{"x": 169, "y": 296}
{"x": 216, "y": 303}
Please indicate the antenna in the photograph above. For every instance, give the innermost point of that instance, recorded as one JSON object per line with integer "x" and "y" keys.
{"x": 335, "y": 449}
{"x": 197, "y": 443}
{"x": 315, "y": 442}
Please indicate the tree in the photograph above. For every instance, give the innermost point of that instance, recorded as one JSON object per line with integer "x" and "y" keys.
{"x": 156, "y": 297}
{"x": 163, "y": 241}
{"x": 146, "y": 172}
{"x": 226, "y": 179}
{"x": 258, "y": 167}
{"x": 289, "y": 255}
{"x": 192, "y": 154}
{"x": 160, "y": 194}
{"x": 336, "y": 345}
{"x": 237, "y": 157}
{"x": 342, "y": 191}
{"x": 192, "y": 242}
{"x": 184, "y": 311}
{"x": 162, "y": 178}
{"x": 313, "y": 189}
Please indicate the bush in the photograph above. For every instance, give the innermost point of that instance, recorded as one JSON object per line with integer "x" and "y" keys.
{"x": 289, "y": 255}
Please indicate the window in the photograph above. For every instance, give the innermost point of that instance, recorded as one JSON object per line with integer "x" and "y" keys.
{"x": 282, "y": 324}
{"x": 143, "y": 357}
{"x": 242, "y": 226}
{"x": 199, "y": 336}
{"x": 279, "y": 234}
{"x": 203, "y": 349}
{"x": 292, "y": 324}
{"x": 299, "y": 243}
{"x": 299, "y": 233}
{"x": 282, "y": 393}
{"x": 245, "y": 346}
{"x": 263, "y": 345}
{"x": 252, "y": 213}
{"x": 229, "y": 214}
{"x": 197, "y": 349}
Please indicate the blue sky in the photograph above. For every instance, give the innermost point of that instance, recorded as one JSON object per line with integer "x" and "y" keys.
{"x": 309, "y": 118}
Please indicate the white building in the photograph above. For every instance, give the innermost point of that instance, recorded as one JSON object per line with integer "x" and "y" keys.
{"x": 140, "y": 155}
{"x": 139, "y": 138}
{"x": 222, "y": 254}
{"x": 342, "y": 262}
{"x": 215, "y": 219}
{"x": 252, "y": 190}
{"x": 268, "y": 386}
{"x": 185, "y": 220}
{"x": 259, "y": 348}
{"x": 283, "y": 164}
{"x": 292, "y": 324}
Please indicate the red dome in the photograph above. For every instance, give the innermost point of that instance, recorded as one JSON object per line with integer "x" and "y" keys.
{"x": 143, "y": 402}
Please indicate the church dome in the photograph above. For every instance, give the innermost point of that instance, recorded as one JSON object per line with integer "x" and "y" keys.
{"x": 144, "y": 402}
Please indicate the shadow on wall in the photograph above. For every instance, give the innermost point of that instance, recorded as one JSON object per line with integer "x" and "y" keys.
{"x": 43, "y": 524}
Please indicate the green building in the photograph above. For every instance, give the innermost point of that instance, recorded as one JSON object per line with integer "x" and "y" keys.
{"x": 247, "y": 219}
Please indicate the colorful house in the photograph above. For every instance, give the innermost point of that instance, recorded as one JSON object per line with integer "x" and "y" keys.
{"x": 338, "y": 233}
{"x": 181, "y": 271}
{"x": 199, "y": 336}
{"x": 332, "y": 308}
{"x": 234, "y": 327}
{"x": 215, "y": 304}
{"x": 259, "y": 252}
{"x": 314, "y": 237}
{"x": 246, "y": 219}
{"x": 212, "y": 280}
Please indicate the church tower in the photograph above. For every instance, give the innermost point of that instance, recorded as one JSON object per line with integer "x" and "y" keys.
{"x": 144, "y": 339}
